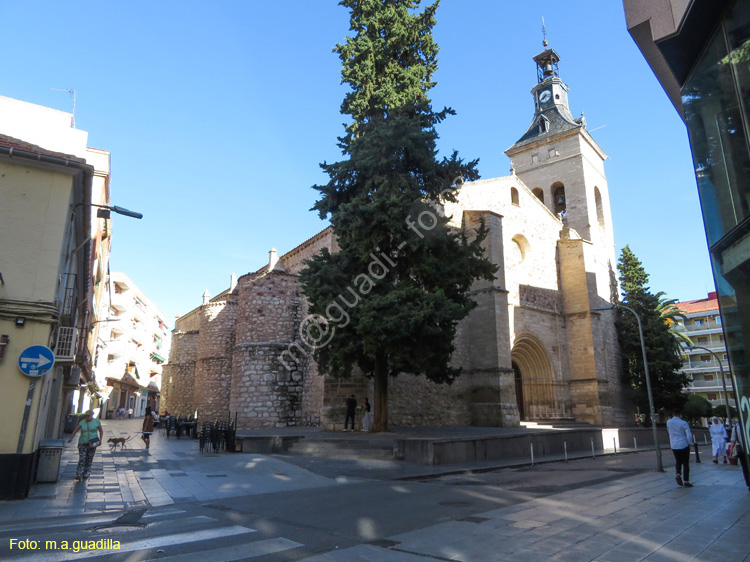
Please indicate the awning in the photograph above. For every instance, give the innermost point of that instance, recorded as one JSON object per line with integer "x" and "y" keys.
{"x": 157, "y": 357}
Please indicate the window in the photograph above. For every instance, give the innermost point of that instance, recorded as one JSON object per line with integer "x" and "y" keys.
{"x": 543, "y": 125}
{"x": 514, "y": 195}
{"x": 534, "y": 158}
{"x": 537, "y": 191}
{"x": 709, "y": 377}
{"x": 558, "y": 197}
{"x": 705, "y": 358}
{"x": 702, "y": 340}
{"x": 552, "y": 152}
{"x": 712, "y": 396}
{"x": 599, "y": 207}
{"x": 725, "y": 357}
{"x": 700, "y": 322}
{"x": 718, "y": 320}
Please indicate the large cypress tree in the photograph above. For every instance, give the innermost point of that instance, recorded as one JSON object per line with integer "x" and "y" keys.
{"x": 393, "y": 294}
{"x": 662, "y": 347}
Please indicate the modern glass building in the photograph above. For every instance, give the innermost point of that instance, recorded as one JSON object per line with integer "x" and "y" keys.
{"x": 700, "y": 52}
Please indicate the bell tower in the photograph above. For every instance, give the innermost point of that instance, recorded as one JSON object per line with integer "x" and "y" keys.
{"x": 559, "y": 160}
{"x": 564, "y": 167}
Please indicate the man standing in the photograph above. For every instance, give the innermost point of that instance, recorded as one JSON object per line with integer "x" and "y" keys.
{"x": 680, "y": 439}
{"x": 351, "y": 408}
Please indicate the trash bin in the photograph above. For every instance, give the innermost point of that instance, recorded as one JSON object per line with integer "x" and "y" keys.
{"x": 50, "y": 451}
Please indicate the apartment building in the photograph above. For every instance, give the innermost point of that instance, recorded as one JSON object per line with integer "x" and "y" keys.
{"x": 49, "y": 180}
{"x": 134, "y": 342}
{"x": 702, "y": 324}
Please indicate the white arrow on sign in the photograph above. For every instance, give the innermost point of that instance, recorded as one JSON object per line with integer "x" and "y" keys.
{"x": 40, "y": 362}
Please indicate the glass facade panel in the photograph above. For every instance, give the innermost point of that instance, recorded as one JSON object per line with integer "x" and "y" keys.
{"x": 716, "y": 100}
{"x": 713, "y": 114}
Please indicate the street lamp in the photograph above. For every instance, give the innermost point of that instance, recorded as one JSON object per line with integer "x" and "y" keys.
{"x": 723, "y": 379}
{"x": 659, "y": 466}
{"x": 104, "y": 211}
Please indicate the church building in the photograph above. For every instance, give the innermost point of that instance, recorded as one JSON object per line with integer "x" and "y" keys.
{"x": 535, "y": 347}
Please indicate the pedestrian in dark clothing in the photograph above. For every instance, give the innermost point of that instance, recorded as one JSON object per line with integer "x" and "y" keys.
{"x": 351, "y": 408}
{"x": 680, "y": 439}
{"x": 739, "y": 451}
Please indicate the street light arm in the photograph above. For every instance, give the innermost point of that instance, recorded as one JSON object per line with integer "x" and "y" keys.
{"x": 115, "y": 208}
{"x": 723, "y": 378}
{"x": 659, "y": 466}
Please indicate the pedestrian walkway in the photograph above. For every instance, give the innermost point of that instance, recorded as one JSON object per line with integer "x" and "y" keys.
{"x": 171, "y": 471}
{"x": 643, "y": 517}
{"x": 636, "y": 514}
{"x": 163, "y": 529}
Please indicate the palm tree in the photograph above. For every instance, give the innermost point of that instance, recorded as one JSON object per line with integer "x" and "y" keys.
{"x": 668, "y": 310}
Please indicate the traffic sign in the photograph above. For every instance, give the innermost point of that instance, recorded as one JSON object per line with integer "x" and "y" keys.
{"x": 36, "y": 360}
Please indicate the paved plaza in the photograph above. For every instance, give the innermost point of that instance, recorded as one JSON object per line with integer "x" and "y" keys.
{"x": 231, "y": 507}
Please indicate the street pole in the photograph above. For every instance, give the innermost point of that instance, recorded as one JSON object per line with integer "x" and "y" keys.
{"x": 659, "y": 466}
{"x": 723, "y": 379}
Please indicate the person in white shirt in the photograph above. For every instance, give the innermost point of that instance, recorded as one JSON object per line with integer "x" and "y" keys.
{"x": 718, "y": 440}
{"x": 680, "y": 439}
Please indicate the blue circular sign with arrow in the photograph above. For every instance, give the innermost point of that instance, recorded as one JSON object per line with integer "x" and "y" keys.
{"x": 36, "y": 360}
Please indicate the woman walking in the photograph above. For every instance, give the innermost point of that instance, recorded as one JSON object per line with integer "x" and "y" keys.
{"x": 90, "y": 439}
{"x": 148, "y": 427}
{"x": 718, "y": 440}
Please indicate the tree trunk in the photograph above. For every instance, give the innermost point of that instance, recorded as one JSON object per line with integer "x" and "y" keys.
{"x": 380, "y": 400}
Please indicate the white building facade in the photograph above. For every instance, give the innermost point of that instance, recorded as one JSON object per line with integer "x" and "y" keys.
{"x": 133, "y": 344}
{"x": 702, "y": 324}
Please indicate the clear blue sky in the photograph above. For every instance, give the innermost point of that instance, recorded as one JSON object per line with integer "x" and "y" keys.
{"x": 217, "y": 115}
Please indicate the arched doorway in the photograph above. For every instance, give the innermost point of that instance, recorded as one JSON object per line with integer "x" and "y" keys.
{"x": 532, "y": 371}
{"x": 519, "y": 390}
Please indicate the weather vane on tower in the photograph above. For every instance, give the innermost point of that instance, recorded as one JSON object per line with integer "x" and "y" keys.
{"x": 544, "y": 33}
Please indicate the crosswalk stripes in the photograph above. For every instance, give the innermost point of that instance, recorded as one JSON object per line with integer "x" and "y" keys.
{"x": 237, "y": 552}
{"x": 155, "y": 542}
{"x": 88, "y": 521}
{"x": 169, "y": 529}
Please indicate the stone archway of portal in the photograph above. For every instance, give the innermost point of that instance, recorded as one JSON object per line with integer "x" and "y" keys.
{"x": 537, "y": 388}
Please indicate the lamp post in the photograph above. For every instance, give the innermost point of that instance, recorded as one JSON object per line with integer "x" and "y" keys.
{"x": 104, "y": 211}
{"x": 723, "y": 378}
{"x": 659, "y": 466}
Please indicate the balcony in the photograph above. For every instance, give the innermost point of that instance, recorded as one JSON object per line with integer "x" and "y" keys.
{"x": 714, "y": 384}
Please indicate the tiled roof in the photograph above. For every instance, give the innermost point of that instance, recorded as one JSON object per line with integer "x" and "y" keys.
{"x": 708, "y": 304}
{"x": 11, "y": 142}
{"x": 560, "y": 120}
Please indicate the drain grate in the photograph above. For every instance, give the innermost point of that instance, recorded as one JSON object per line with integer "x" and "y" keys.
{"x": 384, "y": 543}
{"x": 474, "y": 519}
{"x": 456, "y": 504}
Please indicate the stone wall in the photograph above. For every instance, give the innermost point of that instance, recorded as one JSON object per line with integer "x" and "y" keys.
{"x": 214, "y": 360}
{"x": 266, "y": 392}
{"x": 178, "y": 376}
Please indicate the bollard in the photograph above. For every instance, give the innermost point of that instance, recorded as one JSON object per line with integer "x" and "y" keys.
{"x": 532, "y": 454}
{"x": 697, "y": 455}
{"x": 565, "y": 444}
{"x": 593, "y": 455}
{"x": 635, "y": 444}
{"x": 614, "y": 442}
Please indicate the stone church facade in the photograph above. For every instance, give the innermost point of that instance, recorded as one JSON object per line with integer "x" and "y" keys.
{"x": 533, "y": 349}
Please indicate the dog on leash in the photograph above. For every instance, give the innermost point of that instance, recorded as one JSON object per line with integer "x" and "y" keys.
{"x": 115, "y": 441}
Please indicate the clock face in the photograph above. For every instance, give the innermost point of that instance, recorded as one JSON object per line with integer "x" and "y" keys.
{"x": 545, "y": 96}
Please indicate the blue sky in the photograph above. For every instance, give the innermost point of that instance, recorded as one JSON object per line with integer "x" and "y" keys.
{"x": 218, "y": 114}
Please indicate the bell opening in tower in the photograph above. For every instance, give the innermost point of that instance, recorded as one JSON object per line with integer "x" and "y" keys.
{"x": 558, "y": 197}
